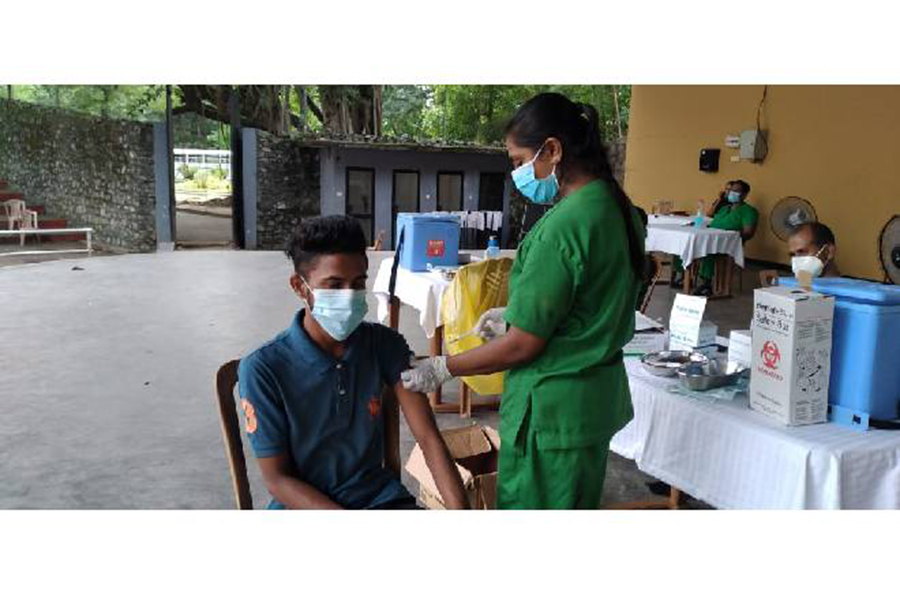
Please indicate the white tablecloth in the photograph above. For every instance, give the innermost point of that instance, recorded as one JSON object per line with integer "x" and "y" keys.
{"x": 691, "y": 243}
{"x": 732, "y": 457}
{"x": 653, "y": 220}
{"x": 423, "y": 291}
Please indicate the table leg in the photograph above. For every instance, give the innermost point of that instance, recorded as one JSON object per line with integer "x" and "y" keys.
{"x": 394, "y": 315}
{"x": 688, "y": 276}
{"x": 465, "y": 400}
{"x": 674, "y": 498}
{"x": 672, "y": 503}
{"x": 437, "y": 347}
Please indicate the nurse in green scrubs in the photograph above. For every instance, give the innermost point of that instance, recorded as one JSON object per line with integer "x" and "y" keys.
{"x": 571, "y": 310}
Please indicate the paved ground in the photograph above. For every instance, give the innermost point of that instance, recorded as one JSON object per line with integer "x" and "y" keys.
{"x": 195, "y": 227}
{"x": 108, "y": 400}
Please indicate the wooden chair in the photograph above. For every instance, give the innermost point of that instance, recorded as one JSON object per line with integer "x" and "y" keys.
{"x": 658, "y": 264}
{"x": 227, "y": 378}
{"x": 378, "y": 245}
{"x": 768, "y": 278}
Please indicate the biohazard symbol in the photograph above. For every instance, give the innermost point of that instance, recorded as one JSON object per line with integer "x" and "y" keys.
{"x": 249, "y": 415}
{"x": 374, "y": 407}
{"x": 770, "y": 354}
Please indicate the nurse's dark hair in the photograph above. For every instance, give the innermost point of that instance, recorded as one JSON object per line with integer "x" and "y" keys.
{"x": 577, "y": 127}
{"x": 336, "y": 234}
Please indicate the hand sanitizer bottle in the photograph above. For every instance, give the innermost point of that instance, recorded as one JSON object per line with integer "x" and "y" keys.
{"x": 493, "y": 249}
{"x": 698, "y": 220}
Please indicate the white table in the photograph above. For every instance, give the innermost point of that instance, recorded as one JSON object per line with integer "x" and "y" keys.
{"x": 653, "y": 220}
{"x": 732, "y": 457}
{"x": 692, "y": 243}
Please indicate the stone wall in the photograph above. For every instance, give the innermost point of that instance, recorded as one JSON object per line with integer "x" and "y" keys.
{"x": 287, "y": 188}
{"x": 91, "y": 171}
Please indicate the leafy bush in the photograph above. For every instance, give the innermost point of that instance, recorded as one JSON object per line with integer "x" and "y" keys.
{"x": 219, "y": 173}
{"x": 186, "y": 171}
{"x": 203, "y": 180}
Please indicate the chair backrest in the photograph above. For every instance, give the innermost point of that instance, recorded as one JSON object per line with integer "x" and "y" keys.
{"x": 227, "y": 378}
{"x": 768, "y": 278}
{"x": 15, "y": 209}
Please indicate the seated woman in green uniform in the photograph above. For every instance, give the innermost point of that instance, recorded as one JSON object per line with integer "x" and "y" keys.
{"x": 731, "y": 212}
{"x": 572, "y": 293}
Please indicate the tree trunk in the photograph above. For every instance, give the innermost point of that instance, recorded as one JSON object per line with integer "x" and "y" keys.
{"x": 303, "y": 108}
{"x": 9, "y": 94}
{"x": 286, "y": 110}
{"x": 615, "y": 92}
{"x": 107, "y": 92}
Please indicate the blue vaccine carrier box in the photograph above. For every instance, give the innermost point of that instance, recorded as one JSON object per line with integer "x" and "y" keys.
{"x": 428, "y": 239}
{"x": 865, "y": 368}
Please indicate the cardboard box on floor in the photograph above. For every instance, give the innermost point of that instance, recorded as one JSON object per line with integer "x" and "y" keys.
{"x": 474, "y": 449}
{"x": 791, "y": 341}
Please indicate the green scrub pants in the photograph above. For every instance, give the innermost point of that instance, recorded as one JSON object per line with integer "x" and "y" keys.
{"x": 529, "y": 478}
{"x": 707, "y": 266}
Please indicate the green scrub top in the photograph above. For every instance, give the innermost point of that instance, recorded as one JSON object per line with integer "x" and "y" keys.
{"x": 735, "y": 218}
{"x": 572, "y": 284}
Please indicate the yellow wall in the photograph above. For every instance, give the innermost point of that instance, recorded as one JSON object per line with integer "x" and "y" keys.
{"x": 836, "y": 146}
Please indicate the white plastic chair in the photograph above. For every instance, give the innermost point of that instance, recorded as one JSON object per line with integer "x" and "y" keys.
{"x": 17, "y": 212}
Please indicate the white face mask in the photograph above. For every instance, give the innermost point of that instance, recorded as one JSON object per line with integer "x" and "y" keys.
{"x": 810, "y": 264}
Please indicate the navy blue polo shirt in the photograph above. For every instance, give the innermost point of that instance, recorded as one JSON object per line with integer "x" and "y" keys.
{"x": 326, "y": 412}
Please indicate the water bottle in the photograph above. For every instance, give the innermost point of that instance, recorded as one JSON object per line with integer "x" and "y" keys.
{"x": 698, "y": 220}
{"x": 493, "y": 249}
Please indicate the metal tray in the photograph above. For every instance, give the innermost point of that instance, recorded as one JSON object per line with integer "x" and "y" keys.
{"x": 713, "y": 374}
{"x": 667, "y": 363}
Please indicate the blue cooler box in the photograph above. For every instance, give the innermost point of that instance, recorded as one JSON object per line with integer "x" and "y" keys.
{"x": 428, "y": 238}
{"x": 865, "y": 353}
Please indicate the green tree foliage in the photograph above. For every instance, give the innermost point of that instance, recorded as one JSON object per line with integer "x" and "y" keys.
{"x": 467, "y": 113}
{"x": 405, "y": 108}
{"x": 479, "y": 112}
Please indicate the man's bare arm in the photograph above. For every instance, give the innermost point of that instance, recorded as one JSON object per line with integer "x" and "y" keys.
{"x": 437, "y": 457}
{"x": 282, "y": 482}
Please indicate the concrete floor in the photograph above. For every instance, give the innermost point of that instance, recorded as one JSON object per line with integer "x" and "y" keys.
{"x": 108, "y": 389}
{"x": 194, "y": 227}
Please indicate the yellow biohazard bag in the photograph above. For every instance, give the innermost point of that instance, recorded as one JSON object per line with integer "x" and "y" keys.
{"x": 476, "y": 288}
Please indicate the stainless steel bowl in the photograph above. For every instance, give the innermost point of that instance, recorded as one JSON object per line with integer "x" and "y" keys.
{"x": 667, "y": 363}
{"x": 713, "y": 374}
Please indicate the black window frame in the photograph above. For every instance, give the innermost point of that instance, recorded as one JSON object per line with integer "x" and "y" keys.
{"x": 462, "y": 197}
{"x": 502, "y": 177}
{"x": 394, "y": 211}
{"x": 357, "y": 216}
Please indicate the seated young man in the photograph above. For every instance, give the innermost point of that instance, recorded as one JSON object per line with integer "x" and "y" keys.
{"x": 311, "y": 396}
{"x": 813, "y": 248}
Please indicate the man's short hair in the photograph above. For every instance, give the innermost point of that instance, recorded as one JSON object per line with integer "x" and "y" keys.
{"x": 336, "y": 234}
{"x": 819, "y": 233}
{"x": 745, "y": 187}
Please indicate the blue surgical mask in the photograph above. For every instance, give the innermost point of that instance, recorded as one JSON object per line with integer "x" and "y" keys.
{"x": 338, "y": 312}
{"x": 540, "y": 191}
{"x": 734, "y": 197}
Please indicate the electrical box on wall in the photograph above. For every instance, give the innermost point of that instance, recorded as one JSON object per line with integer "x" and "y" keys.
{"x": 753, "y": 145}
{"x": 709, "y": 160}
